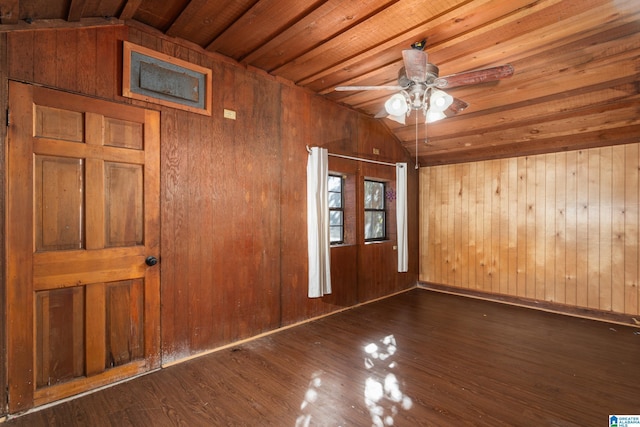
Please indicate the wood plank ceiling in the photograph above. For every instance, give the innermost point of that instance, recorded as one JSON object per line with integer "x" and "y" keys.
{"x": 575, "y": 85}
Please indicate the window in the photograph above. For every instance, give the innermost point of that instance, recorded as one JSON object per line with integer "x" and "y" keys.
{"x": 375, "y": 215}
{"x": 336, "y": 209}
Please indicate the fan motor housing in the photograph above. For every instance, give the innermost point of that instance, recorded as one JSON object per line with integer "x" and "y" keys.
{"x": 431, "y": 72}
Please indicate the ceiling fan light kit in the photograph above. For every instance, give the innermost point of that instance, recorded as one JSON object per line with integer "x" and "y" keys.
{"x": 420, "y": 88}
{"x": 433, "y": 102}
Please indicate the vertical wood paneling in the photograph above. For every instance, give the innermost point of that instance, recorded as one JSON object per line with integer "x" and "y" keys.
{"x": 457, "y": 221}
{"x": 45, "y": 66}
{"x": 496, "y": 226}
{"x": 571, "y": 219}
{"x": 631, "y": 228}
{"x": 582, "y": 232}
{"x": 593, "y": 230}
{"x": 365, "y": 271}
{"x": 480, "y": 226}
{"x": 3, "y": 130}
{"x": 451, "y": 223}
{"x": 512, "y": 214}
{"x": 540, "y": 227}
{"x": 489, "y": 191}
{"x": 444, "y": 218}
{"x": 551, "y": 260}
{"x": 86, "y": 61}
{"x": 606, "y": 222}
{"x": 66, "y": 57}
{"x": 464, "y": 226}
{"x": 195, "y": 258}
{"x": 21, "y": 45}
{"x": 617, "y": 228}
{"x": 521, "y": 218}
{"x": 561, "y": 227}
{"x": 437, "y": 208}
{"x": 473, "y": 236}
{"x": 175, "y": 219}
{"x": 108, "y": 61}
{"x": 560, "y": 238}
{"x": 424, "y": 218}
{"x": 79, "y": 60}
{"x": 530, "y": 291}
{"x": 505, "y": 227}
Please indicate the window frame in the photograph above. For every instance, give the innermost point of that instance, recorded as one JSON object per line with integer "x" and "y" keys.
{"x": 337, "y": 209}
{"x": 384, "y": 211}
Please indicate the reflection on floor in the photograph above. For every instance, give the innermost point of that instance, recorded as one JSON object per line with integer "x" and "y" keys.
{"x": 382, "y": 394}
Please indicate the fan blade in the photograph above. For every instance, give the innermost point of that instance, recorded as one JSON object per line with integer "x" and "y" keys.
{"x": 415, "y": 64}
{"x": 399, "y": 119}
{"x": 346, "y": 88}
{"x": 381, "y": 114}
{"x": 474, "y": 77}
{"x": 457, "y": 106}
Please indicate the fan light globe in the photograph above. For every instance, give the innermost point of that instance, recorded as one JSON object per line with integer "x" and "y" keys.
{"x": 434, "y": 116}
{"x": 396, "y": 105}
{"x": 399, "y": 119}
{"x": 439, "y": 100}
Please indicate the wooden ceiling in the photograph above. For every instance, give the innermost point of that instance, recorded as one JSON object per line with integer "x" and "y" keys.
{"x": 576, "y": 62}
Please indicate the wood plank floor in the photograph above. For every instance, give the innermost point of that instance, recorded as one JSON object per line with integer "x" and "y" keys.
{"x": 420, "y": 358}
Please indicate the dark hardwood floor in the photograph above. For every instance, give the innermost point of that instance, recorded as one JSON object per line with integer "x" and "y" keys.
{"x": 420, "y": 358}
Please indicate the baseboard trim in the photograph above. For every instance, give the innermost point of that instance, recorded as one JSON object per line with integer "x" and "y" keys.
{"x": 551, "y": 307}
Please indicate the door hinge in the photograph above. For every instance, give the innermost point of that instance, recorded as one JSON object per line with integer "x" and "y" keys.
{"x": 8, "y": 122}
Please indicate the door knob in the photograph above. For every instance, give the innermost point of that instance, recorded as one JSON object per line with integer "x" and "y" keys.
{"x": 151, "y": 261}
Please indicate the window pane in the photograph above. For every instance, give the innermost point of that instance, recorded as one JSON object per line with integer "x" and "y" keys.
{"x": 335, "y": 218}
{"x": 335, "y": 234}
{"x": 335, "y": 183}
{"x": 374, "y": 225}
{"x": 335, "y": 200}
{"x": 373, "y": 195}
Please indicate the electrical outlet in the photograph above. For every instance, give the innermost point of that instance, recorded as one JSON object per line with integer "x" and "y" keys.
{"x": 229, "y": 114}
{"x": 376, "y": 151}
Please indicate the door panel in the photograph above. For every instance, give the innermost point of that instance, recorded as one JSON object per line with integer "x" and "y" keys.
{"x": 56, "y": 123}
{"x": 59, "y": 335}
{"x": 124, "y": 328}
{"x": 59, "y": 201}
{"x": 124, "y": 219}
{"x": 83, "y": 215}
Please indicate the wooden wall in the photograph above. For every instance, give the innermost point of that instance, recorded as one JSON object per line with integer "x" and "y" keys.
{"x": 363, "y": 276}
{"x": 4, "y": 87}
{"x": 233, "y": 193}
{"x": 560, "y": 227}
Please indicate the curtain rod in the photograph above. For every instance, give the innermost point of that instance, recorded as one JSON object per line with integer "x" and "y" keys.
{"x": 359, "y": 159}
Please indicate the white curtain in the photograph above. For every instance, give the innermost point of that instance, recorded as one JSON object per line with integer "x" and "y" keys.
{"x": 318, "y": 223}
{"x": 401, "y": 216}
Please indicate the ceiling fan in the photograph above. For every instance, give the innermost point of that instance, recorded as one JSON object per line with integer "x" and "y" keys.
{"x": 420, "y": 88}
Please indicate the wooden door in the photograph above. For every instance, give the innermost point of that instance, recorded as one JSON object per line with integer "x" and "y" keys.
{"x": 82, "y": 219}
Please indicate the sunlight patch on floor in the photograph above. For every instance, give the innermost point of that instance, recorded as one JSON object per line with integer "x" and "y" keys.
{"x": 382, "y": 391}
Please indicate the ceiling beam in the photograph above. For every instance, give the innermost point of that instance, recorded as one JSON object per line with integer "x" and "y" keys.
{"x": 130, "y": 9}
{"x": 76, "y": 10}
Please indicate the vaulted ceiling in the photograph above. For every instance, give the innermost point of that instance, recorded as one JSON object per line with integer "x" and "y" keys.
{"x": 575, "y": 85}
